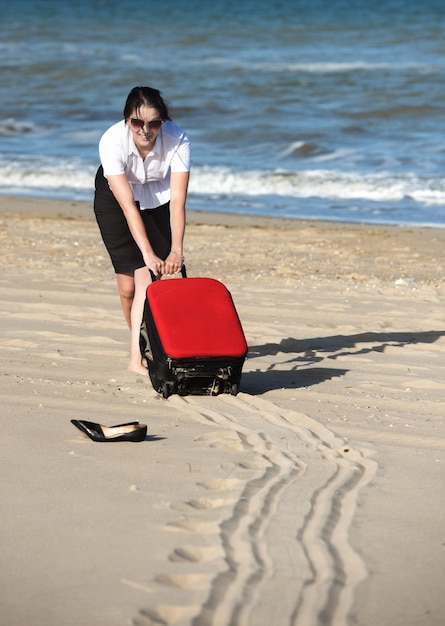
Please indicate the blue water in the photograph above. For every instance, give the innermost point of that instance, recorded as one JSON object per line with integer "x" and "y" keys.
{"x": 321, "y": 109}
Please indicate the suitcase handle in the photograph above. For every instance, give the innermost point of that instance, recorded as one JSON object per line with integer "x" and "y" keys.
{"x": 154, "y": 277}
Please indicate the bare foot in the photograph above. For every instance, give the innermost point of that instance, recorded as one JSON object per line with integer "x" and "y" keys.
{"x": 138, "y": 368}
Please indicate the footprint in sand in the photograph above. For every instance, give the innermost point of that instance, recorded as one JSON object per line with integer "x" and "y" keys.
{"x": 202, "y": 504}
{"x": 194, "y": 526}
{"x": 164, "y": 615}
{"x": 184, "y": 581}
{"x": 197, "y": 554}
{"x": 223, "y": 484}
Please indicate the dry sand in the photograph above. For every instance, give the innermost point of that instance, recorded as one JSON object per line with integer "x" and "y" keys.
{"x": 314, "y": 497}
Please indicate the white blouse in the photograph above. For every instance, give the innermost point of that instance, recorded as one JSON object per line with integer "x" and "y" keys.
{"x": 149, "y": 177}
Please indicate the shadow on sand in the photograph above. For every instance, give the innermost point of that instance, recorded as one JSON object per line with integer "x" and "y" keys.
{"x": 308, "y": 352}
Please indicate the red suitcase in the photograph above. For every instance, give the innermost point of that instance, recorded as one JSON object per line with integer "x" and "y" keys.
{"x": 192, "y": 338}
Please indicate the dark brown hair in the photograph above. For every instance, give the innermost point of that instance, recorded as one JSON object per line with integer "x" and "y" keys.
{"x": 146, "y": 96}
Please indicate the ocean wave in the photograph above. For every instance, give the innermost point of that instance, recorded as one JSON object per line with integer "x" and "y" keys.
{"x": 46, "y": 177}
{"x": 10, "y": 127}
{"x": 322, "y": 67}
{"x": 325, "y": 184}
{"x": 221, "y": 181}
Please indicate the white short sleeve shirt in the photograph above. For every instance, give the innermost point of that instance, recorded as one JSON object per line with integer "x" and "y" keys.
{"x": 149, "y": 178}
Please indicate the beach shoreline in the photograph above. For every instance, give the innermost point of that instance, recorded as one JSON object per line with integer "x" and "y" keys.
{"x": 315, "y": 491}
{"x": 83, "y": 209}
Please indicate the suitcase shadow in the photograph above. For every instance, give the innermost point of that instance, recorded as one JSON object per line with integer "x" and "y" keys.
{"x": 307, "y": 352}
{"x": 258, "y": 382}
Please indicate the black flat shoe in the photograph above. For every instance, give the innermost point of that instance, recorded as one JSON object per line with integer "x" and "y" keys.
{"x": 131, "y": 431}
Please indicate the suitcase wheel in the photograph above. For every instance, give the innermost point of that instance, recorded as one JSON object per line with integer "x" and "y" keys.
{"x": 166, "y": 390}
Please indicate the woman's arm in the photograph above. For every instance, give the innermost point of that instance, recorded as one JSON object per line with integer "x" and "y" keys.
{"x": 178, "y": 195}
{"x": 124, "y": 195}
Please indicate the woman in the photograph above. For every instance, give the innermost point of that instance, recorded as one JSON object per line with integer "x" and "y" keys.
{"x": 139, "y": 203}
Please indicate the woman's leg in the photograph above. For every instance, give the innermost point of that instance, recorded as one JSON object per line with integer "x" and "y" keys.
{"x": 157, "y": 225}
{"x": 141, "y": 281}
{"x": 125, "y": 286}
{"x": 118, "y": 240}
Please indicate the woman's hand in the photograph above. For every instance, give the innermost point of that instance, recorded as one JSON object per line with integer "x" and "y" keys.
{"x": 173, "y": 262}
{"x": 154, "y": 263}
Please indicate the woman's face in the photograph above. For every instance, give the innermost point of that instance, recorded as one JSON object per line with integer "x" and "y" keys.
{"x": 145, "y": 124}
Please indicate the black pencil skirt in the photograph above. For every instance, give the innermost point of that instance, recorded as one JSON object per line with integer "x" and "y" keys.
{"x": 122, "y": 248}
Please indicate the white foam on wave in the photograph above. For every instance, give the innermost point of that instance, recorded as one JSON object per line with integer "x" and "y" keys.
{"x": 46, "y": 177}
{"x": 295, "y": 146}
{"x": 221, "y": 181}
{"x": 324, "y": 67}
{"x": 327, "y": 184}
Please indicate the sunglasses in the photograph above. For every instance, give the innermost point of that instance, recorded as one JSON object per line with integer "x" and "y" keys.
{"x": 154, "y": 125}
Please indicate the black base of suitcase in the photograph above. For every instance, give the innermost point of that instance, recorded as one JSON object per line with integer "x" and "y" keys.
{"x": 204, "y": 376}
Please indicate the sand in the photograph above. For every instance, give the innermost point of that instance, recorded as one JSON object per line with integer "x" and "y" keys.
{"x": 313, "y": 497}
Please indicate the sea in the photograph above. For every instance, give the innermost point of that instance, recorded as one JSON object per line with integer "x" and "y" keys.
{"x": 306, "y": 109}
